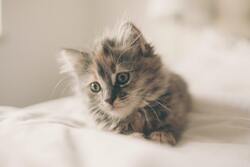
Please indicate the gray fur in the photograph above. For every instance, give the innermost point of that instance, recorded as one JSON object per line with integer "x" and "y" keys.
{"x": 154, "y": 102}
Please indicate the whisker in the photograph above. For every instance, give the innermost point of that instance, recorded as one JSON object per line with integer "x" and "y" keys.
{"x": 94, "y": 108}
{"x": 164, "y": 106}
{"x": 97, "y": 112}
{"x": 66, "y": 88}
{"x": 155, "y": 113}
{"x": 57, "y": 85}
{"x": 146, "y": 116}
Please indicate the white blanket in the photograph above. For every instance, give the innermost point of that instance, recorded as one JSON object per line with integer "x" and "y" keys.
{"x": 218, "y": 134}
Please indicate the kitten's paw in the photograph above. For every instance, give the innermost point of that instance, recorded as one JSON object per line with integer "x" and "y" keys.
{"x": 163, "y": 137}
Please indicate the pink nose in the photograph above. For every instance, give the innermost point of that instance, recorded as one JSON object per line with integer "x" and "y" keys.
{"x": 110, "y": 101}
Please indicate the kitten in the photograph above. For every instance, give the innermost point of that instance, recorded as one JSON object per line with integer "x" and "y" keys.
{"x": 128, "y": 89}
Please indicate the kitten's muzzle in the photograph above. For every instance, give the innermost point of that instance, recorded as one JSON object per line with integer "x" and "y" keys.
{"x": 109, "y": 101}
{"x": 115, "y": 90}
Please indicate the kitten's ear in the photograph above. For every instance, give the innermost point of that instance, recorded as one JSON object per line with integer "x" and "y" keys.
{"x": 132, "y": 36}
{"x": 74, "y": 61}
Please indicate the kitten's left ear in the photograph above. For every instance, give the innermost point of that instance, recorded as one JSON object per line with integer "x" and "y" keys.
{"x": 132, "y": 36}
{"x": 74, "y": 61}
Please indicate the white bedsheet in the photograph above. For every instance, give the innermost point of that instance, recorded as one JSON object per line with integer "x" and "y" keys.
{"x": 218, "y": 134}
{"x": 53, "y": 134}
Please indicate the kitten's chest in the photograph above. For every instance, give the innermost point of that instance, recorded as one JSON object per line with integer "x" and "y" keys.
{"x": 144, "y": 120}
{"x": 149, "y": 118}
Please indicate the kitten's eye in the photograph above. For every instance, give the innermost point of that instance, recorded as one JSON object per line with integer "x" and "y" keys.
{"x": 122, "y": 78}
{"x": 95, "y": 87}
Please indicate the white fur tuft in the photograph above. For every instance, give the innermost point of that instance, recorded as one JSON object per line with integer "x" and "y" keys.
{"x": 68, "y": 59}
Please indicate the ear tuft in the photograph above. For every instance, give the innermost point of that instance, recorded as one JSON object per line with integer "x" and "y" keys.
{"x": 128, "y": 33}
{"x": 74, "y": 61}
{"x": 130, "y": 36}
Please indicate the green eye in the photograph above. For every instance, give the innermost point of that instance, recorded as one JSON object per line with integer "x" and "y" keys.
{"x": 95, "y": 87}
{"x": 122, "y": 78}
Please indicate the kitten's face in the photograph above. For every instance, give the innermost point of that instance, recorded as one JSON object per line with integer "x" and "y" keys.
{"x": 118, "y": 77}
{"x": 114, "y": 84}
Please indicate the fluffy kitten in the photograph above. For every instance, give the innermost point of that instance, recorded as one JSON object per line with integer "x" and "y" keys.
{"x": 128, "y": 89}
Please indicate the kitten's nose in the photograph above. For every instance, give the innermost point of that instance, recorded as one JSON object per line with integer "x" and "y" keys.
{"x": 110, "y": 101}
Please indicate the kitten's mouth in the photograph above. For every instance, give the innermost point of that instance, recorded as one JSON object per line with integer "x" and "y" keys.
{"x": 118, "y": 109}
{"x": 113, "y": 108}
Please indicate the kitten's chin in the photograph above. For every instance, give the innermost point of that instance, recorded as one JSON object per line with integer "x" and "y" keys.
{"x": 120, "y": 113}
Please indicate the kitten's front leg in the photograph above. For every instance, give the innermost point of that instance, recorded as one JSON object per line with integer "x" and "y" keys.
{"x": 137, "y": 122}
{"x": 162, "y": 137}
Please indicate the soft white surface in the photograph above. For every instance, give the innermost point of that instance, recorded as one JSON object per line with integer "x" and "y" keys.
{"x": 218, "y": 134}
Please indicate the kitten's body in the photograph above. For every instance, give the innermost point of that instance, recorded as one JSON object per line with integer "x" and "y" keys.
{"x": 153, "y": 101}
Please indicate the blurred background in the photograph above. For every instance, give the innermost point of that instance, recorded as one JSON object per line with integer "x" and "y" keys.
{"x": 33, "y": 31}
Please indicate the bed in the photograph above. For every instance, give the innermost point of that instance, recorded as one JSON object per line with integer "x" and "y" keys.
{"x": 54, "y": 133}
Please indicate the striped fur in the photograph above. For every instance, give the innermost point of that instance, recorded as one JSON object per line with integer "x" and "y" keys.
{"x": 153, "y": 100}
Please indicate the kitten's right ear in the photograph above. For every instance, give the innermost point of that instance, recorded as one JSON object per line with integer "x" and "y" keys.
{"x": 74, "y": 61}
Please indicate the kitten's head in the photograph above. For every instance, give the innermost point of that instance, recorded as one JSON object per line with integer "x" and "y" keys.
{"x": 120, "y": 75}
